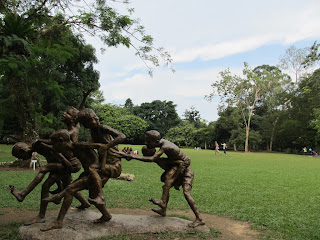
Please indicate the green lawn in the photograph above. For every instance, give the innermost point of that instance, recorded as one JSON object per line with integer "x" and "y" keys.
{"x": 5, "y": 153}
{"x": 277, "y": 192}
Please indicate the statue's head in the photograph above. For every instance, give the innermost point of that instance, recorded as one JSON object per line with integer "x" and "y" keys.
{"x": 60, "y": 137}
{"x": 70, "y": 115}
{"x": 22, "y": 150}
{"x": 88, "y": 118}
{"x": 152, "y": 138}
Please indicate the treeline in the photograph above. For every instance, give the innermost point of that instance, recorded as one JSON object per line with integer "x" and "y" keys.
{"x": 265, "y": 109}
{"x": 288, "y": 127}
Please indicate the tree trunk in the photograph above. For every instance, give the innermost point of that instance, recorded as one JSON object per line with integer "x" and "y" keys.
{"x": 235, "y": 147}
{"x": 246, "y": 148}
{"x": 270, "y": 150}
{"x": 272, "y": 133}
{"x": 25, "y": 108}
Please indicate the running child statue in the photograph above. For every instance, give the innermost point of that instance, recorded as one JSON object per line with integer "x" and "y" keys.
{"x": 177, "y": 171}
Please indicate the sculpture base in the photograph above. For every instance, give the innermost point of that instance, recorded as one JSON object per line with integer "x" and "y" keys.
{"x": 78, "y": 226}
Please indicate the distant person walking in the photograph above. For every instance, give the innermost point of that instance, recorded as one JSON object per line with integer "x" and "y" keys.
{"x": 224, "y": 147}
{"x": 216, "y": 148}
{"x": 305, "y": 151}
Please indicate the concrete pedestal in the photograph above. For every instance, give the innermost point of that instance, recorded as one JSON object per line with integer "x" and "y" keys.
{"x": 78, "y": 226}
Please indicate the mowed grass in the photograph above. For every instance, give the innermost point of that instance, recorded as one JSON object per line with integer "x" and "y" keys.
{"x": 5, "y": 153}
{"x": 276, "y": 192}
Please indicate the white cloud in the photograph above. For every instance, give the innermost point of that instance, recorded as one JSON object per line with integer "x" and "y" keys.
{"x": 203, "y": 30}
{"x": 185, "y": 89}
{"x": 223, "y": 49}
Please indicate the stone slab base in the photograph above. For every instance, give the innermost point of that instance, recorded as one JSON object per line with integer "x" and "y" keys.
{"x": 78, "y": 226}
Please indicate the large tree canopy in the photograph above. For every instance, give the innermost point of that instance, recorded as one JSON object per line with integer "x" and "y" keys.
{"x": 247, "y": 91}
{"x": 160, "y": 115}
{"x": 44, "y": 61}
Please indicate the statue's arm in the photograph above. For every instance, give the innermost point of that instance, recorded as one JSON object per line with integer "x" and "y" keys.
{"x": 89, "y": 145}
{"x": 85, "y": 96}
{"x": 153, "y": 158}
{"x": 64, "y": 161}
{"x": 118, "y": 136}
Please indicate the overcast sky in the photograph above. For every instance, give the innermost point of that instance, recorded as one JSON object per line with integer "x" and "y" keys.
{"x": 205, "y": 37}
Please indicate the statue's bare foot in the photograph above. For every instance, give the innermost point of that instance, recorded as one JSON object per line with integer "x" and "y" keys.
{"x": 160, "y": 203}
{"x": 103, "y": 219}
{"x": 37, "y": 219}
{"x": 16, "y": 193}
{"x": 55, "y": 199}
{"x": 83, "y": 206}
{"x": 54, "y": 225}
{"x": 196, "y": 223}
{"x": 161, "y": 211}
{"x": 99, "y": 200}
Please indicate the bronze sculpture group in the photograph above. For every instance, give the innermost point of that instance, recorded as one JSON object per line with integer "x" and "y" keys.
{"x": 100, "y": 160}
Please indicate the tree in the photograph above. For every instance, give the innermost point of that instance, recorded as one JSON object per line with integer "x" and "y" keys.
{"x": 50, "y": 76}
{"x": 119, "y": 118}
{"x": 193, "y": 116}
{"x": 160, "y": 115}
{"x": 308, "y": 101}
{"x": 276, "y": 97}
{"x": 227, "y": 126}
{"x": 203, "y": 136}
{"x": 295, "y": 127}
{"x": 129, "y": 105}
{"x": 245, "y": 92}
{"x": 313, "y": 57}
{"x": 28, "y": 37}
{"x": 293, "y": 60}
{"x": 183, "y": 134}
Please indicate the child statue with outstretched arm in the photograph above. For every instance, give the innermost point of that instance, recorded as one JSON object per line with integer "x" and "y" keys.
{"x": 177, "y": 171}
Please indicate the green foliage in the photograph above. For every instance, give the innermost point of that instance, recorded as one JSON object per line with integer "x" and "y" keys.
{"x": 129, "y": 105}
{"x": 45, "y": 63}
{"x": 183, "y": 134}
{"x": 262, "y": 85}
{"x": 204, "y": 136}
{"x": 314, "y": 55}
{"x": 298, "y": 124}
{"x": 160, "y": 115}
{"x": 55, "y": 71}
{"x": 193, "y": 116}
{"x": 294, "y": 60}
{"x": 132, "y": 126}
{"x": 228, "y": 126}
{"x": 120, "y": 118}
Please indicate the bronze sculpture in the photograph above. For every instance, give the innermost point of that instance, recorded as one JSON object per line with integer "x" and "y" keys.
{"x": 96, "y": 173}
{"x": 57, "y": 171}
{"x": 177, "y": 171}
{"x": 65, "y": 155}
{"x": 58, "y": 174}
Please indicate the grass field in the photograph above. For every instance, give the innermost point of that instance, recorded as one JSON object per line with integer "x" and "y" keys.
{"x": 276, "y": 192}
{"x": 5, "y": 153}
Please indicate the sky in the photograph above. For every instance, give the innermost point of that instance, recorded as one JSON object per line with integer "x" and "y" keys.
{"x": 204, "y": 37}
